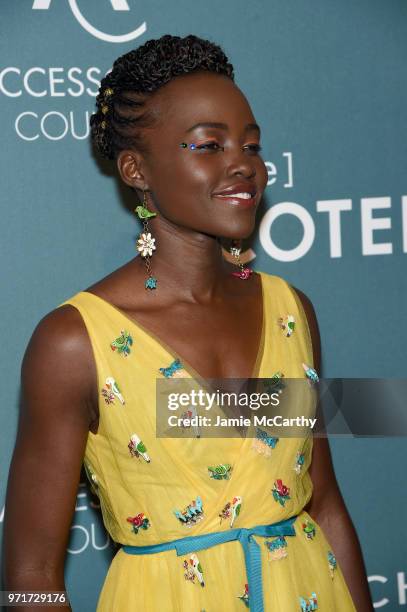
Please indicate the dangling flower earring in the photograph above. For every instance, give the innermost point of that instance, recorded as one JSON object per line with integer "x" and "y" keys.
{"x": 146, "y": 243}
{"x": 235, "y": 250}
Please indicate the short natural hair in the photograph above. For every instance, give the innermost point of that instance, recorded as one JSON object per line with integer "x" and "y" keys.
{"x": 138, "y": 74}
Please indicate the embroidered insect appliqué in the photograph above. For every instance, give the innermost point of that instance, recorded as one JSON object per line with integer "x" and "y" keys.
{"x": 310, "y": 373}
{"x": 263, "y": 443}
{"x": 220, "y": 472}
{"x": 231, "y": 510}
{"x": 193, "y": 570}
{"x": 274, "y": 384}
{"x": 122, "y": 344}
{"x": 277, "y": 548}
{"x": 192, "y": 514}
{"x": 137, "y": 448}
{"x": 308, "y": 605}
{"x": 281, "y": 492}
{"x": 139, "y": 522}
{"x": 174, "y": 370}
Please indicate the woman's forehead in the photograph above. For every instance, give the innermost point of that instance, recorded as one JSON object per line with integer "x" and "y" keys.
{"x": 201, "y": 97}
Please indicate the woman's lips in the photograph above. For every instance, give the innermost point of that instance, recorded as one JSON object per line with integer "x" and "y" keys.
{"x": 238, "y": 199}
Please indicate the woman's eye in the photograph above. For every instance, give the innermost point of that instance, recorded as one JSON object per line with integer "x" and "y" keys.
{"x": 213, "y": 146}
{"x": 253, "y": 148}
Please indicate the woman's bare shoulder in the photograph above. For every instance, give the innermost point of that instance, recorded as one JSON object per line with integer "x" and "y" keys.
{"x": 59, "y": 356}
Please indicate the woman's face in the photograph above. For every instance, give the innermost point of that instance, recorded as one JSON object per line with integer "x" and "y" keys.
{"x": 185, "y": 184}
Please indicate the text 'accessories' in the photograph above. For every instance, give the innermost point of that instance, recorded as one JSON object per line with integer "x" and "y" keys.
{"x": 146, "y": 243}
{"x": 245, "y": 272}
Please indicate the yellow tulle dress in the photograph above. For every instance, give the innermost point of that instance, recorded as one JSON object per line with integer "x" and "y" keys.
{"x": 160, "y": 490}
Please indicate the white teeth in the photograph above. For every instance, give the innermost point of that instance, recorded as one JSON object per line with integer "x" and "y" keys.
{"x": 244, "y": 196}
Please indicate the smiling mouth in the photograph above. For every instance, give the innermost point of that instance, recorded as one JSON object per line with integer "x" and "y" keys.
{"x": 243, "y": 198}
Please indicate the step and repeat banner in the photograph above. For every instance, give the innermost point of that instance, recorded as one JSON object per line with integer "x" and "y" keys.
{"x": 327, "y": 83}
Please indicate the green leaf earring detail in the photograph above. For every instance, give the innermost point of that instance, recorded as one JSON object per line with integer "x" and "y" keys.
{"x": 146, "y": 242}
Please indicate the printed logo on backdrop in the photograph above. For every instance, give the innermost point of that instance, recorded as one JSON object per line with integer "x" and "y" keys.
{"x": 67, "y": 82}
{"x": 117, "y": 5}
{"x": 55, "y": 103}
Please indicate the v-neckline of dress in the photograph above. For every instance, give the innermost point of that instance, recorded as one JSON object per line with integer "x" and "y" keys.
{"x": 173, "y": 355}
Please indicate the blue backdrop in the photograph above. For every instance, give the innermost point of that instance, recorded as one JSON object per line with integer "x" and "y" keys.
{"x": 327, "y": 84}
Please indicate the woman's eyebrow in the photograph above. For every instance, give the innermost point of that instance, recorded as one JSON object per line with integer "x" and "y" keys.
{"x": 223, "y": 126}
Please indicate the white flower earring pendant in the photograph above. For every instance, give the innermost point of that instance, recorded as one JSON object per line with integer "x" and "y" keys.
{"x": 146, "y": 243}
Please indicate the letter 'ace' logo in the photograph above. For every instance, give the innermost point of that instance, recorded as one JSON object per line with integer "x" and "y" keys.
{"x": 117, "y": 5}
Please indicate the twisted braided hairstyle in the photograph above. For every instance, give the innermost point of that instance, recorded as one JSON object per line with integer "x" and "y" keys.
{"x": 136, "y": 75}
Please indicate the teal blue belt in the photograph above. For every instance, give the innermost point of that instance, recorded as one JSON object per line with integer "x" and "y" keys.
{"x": 251, "y": 549}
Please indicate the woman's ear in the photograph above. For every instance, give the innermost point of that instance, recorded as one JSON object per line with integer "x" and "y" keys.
{"x": 129, "y": 165}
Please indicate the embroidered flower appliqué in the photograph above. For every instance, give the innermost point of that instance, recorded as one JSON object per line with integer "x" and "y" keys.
{"x": 192, "y": 514}
{"x": 281, "y": 492}
{"x": 137, "y": 448}
{"x": 231, "y": 510}
{"x": 122, "y": 344}
{"x": 139, "y": 522}
{"x": 244, "y": 597}
{"x": 277, "y": 548}
{"x": 310, "y": 604}
{"x": 111, "y": 390}
{"x": 309, "y": 529}
{"x": 220, "y": 472}
{"x": 193, "y": 570}
{"x": 331, "y": 562}
{"x": 287, "y": 324}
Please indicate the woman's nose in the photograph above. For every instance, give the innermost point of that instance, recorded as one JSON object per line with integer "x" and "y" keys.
{"x": 240, "y": 164}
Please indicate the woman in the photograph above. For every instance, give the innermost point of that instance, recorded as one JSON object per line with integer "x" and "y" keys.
{"x": 185, "y": 140}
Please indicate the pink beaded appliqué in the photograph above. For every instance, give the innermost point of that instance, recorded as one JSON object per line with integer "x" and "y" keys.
{"x": 139, "y": 522}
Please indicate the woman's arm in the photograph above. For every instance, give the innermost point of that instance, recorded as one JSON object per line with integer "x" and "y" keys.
{"x": 327, "y": 505}
{"x": 57, "y": 377}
